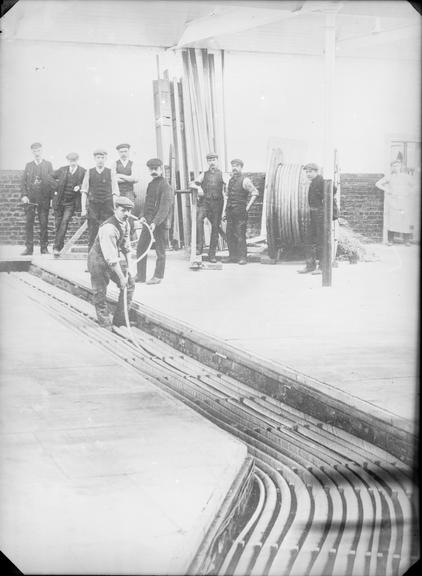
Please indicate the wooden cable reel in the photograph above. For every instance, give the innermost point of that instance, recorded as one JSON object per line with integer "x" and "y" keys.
{"x": 287, "y": 207}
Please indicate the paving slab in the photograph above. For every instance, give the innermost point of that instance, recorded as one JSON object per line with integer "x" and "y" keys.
{"x": 101, "y": 472}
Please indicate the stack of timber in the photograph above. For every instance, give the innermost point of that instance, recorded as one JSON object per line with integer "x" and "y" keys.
{"x": 189, "y": 114}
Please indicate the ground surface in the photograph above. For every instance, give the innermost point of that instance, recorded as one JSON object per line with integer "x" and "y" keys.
{"x": 100, "y": 471}
{"x": 358, "y": 337}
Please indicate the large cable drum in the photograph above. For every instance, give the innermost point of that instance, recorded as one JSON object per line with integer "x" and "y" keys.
{"x": 287, "y": 208}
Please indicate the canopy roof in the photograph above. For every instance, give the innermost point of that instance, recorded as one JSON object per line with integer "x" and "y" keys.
{"x": 369, "y": 29}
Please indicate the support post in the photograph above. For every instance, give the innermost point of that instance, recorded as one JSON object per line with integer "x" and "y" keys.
{"x": 194, "y": 259}
{"x": 328, "y": 164}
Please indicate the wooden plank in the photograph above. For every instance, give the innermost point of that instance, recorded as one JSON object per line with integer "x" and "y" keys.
{"x": 67, "y": 247}
{"x": 184, "y": 173}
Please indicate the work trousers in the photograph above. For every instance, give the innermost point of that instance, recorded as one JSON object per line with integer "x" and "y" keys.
{"x": 101, "y": 274}
{"x": 237, "y": 219}
{"x": 62, "y": 216}
{"x": 29, "y": 226}
{"x": 212, "y": 210}
{"x": 314, "y": 238}
{"x": 98, "y": 212}
{"x": 161, "y": 241}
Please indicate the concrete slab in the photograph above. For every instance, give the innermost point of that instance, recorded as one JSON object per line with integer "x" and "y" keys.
{"x": 358, "y": 337}
{"x": 101, "y": 472}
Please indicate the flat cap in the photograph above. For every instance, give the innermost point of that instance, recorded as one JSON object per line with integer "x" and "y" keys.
{"x": 36, "y": 145}
{"x": 237, "y": 161}
{"x": 122, "y": 146}
{"x": 100, "y": 152}
{"x": 211, "y": 155}
{"x": 124, "y": 202}
{"x": 72, "y": 156}
{"x": 154, "y": 163}
{"x": 311, "y": 166}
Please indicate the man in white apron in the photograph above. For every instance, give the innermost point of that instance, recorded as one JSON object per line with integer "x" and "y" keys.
{"x": 399, "y": 201}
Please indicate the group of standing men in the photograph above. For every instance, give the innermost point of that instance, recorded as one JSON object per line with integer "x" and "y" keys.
{"x": 238, "y": 194}
{"x": 105, "y": 197}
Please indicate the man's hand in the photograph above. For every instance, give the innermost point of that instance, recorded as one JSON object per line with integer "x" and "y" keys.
{"x": 83, "y": 213}
{"x": 76, "y": 188}
{"x": 152, "y": 226}
{"x": 143, "y": 220}
{"x": 123, "y": 282}
{"x": 223, "y": 217}
{"x": 25, "y": 200}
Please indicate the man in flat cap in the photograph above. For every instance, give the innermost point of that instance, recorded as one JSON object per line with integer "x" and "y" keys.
{"x": 37, "y": 190}
{"x": 314, "y": 237}
{"x": 99, "y": 189}
{"x": 241, "y": 194}
{"x": 210, "y": 204}
{"x": 157, "y": 214}
{"x": 67, "y": 197}
{"x": 125, "y": 172}
{"x": 108, "y": 260}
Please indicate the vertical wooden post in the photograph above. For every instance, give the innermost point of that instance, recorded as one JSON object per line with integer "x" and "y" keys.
{"x": 194, "y": 201}
{"x": 329, "y": 68}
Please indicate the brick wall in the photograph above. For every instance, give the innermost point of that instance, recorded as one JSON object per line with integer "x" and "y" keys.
{"x": 254, "y": 216}
{"x": 12, "y": 216}
{"x": 361, "y": 204}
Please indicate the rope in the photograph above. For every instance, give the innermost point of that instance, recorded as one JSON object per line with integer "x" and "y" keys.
{"x": 149, "y": 245}
{"x": 125, "y": 306}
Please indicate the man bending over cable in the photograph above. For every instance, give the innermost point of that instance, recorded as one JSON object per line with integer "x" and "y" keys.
{"x": 108, "y": 260}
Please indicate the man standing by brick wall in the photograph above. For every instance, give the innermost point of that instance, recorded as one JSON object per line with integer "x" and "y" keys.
{"x": 210, "y": 204}
{"x": 241, "y": 194}
{"x": 157, "y": 214}
{"x": 37, "y": 189}
{"x": 127, "y": 176}
{"x": 399, "y": 198}
{"x": 67, "y": 197}
{"x": 126, "y": 172}
{"x": 99, "y": 189}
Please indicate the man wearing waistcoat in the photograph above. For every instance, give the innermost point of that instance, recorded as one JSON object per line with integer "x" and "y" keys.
{"x": 210, "y": 205}
{"x": 125, "y": 172}
{"x": 67, "y": 197}
{"x": 37, "y": 189}
{"x": 99, "y": 189}
{"x": 126, "y": 179}
{"x": 108, "y": 260}
{"x": 157, "y": 214}
{"x": 241, "y": 194}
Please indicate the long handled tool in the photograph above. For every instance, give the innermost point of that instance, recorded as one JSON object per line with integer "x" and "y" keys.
{"x": 125, "y": 306}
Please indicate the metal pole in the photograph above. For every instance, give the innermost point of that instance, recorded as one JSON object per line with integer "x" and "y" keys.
{"x": 328, "y": 165}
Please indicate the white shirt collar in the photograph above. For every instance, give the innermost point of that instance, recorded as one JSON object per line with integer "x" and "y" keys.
{"x": 72, "y": 170}
{"x": 125, "y": 163}
{"x": 99, "y": 170}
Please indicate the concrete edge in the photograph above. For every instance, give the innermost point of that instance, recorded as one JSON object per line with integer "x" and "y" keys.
{"x": 372, "y": 424}
{"x": 221, "y": 533}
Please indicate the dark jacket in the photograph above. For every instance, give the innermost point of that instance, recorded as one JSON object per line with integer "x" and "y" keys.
{"x": 41, "y": 192}
{"x": 60, "y": 176}
{"x": 159, "y": 202}
{"x": 316, "y": 196}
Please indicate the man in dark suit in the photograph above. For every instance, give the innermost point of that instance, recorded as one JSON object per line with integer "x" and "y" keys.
{"x": 315, "y": 233}
{"x": 67, "y": 197}
{"x": 157, "y": 214}
{"x": 37, "y": 188}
